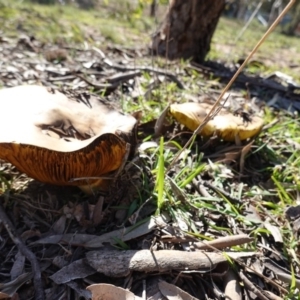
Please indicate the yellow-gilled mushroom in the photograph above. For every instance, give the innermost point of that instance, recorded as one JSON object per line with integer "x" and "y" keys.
{"x": 225, "y": 125}
{"x": 56, "y": 138}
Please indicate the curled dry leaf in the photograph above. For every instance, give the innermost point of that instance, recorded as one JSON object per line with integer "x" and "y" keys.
{"x": 126, "y": 233}
{"x": 226, "y": 125}
{"x": 172, "y": 292}
{"x": 56, "y": 138}
{"x": 10, "y": 288}
{"x": 275, "y": 231}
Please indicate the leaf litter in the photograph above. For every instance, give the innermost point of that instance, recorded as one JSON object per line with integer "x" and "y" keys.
{"x": 211, "y": 203}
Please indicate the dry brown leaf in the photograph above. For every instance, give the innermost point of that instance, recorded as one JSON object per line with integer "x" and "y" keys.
{"x": 232, "y": 288}
{"x": 125, "y": 234}
{"x": 244, "y": 152}
{"x": 275, "y": 231}
{"x": 18, "y": 266}
{"x": 160, "y": 122}
{"x": 225, "y": 125}
{"x": 98, "y": 211}
{"x": 110, "y": 292}
{"x": 56, "y": 139}
{"x": 69, "y": 238}
{"x": 59, "y": 225}
{"x": 94, "y": 241}
{"x": 75, "y": 270}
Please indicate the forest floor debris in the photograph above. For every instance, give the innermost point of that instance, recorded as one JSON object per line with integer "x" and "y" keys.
{"x": 219, "y": 196}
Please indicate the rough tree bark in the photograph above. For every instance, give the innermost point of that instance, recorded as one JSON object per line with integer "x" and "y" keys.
{"x": 187, "y": 29}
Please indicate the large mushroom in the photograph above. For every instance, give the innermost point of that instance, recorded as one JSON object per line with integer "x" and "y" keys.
{"x": 57, "y": 138}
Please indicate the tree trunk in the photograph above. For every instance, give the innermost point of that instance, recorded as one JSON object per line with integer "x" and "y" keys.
{"x": 187, "y": 29}
{"x": 153, "y": 8}
{"x": 293, "y": 28}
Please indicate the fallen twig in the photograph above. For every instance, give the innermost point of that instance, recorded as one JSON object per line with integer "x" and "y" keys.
{"x": 242, "y": 79}
{"x": 117, "y": 78}
{"x": 125, "y": 262}
{"x": 224, "y": 242}
{"x": 37, "y": 279}
{"x": 220, "y": 243}
{"x": 273, "y": 296}
{"x": 252, "y": 287}
{"x": 103, "y": 86}
{"x": 197, "y": 185}
{"x": 280, "y": 273}
{"x": 170, "y": 75}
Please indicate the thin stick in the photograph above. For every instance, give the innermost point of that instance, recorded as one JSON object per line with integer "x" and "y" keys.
{"x": 224, "y": 242}
{"x": 238, "y": 261}
{"x": 208, "y": 117}
{"x": 252, "y": 287}
{"x": 37, "y": 278}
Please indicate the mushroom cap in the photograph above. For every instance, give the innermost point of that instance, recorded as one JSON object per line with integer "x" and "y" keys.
{"x": 54, "y": 138}
{"x": 225, "y": 125}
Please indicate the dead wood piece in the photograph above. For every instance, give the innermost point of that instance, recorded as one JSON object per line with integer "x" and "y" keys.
{"x": 118, "y": 78}
{"x": 273, "y": 296}
{"x": 170, "y": 75}
{"x": 220, "y": 243}
{"x": 176, "y": 240}
{"x": 102, "y": 86}
{"x": 37, "y": 278}
{"x": 281, "y": 273}
{"x": 125, "y": 262}
{"x": 201, "y": 189}
{"x": 199, "y": 186}
{"x": 224, "y": 242}
{"x": 242, "y": 79}
{"x": 62, "y": 78}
